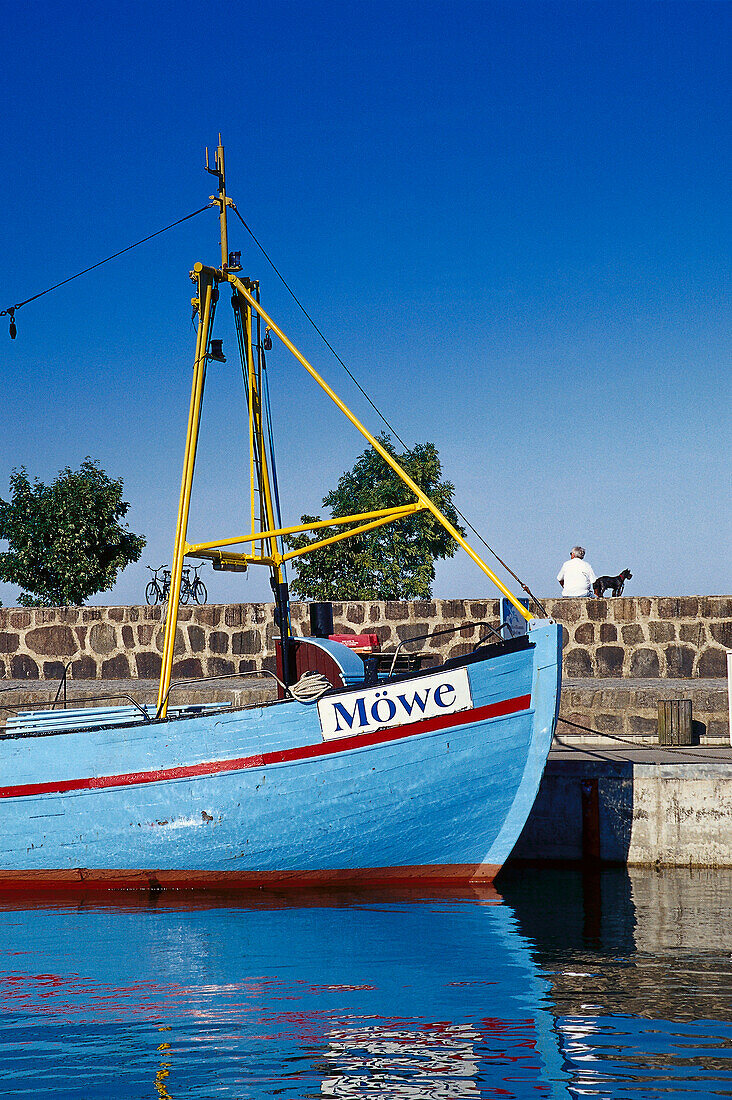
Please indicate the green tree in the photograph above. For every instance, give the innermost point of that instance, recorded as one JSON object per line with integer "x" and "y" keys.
{"x": 396, "y": 562}
{"x": 65, "y": 541}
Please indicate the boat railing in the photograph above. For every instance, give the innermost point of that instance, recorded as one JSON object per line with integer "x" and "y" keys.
{"x": 492, "y": 631}
{"x": 225, "y": 676}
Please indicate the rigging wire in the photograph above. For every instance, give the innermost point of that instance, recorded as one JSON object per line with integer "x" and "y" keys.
{"x": 378, "y": 411}
{"x": 10, "y": 311}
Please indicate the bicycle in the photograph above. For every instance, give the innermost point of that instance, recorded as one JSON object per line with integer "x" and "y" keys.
{"x": 157, "y": 591}
{"x": 193, "y": 589}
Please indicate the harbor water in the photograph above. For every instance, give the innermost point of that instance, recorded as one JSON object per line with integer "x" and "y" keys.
{"x": 612, "y": 984}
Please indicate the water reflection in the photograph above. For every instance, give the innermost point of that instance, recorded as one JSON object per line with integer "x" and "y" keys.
{"x": 611, "y": 985}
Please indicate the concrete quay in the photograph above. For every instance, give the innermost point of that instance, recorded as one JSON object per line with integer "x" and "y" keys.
{"x": 633, "y": 804}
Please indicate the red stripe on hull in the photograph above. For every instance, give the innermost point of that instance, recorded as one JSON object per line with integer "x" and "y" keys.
{"x": 447, "y": 875}
{"x": 304, "y": 752}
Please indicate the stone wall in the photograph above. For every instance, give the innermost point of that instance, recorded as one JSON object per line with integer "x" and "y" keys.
{"x": 676, "y": 637}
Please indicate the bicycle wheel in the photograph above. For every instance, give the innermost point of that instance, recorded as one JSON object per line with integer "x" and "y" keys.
{"x": 185, "y": 593}
{"x": 200, "y": 595}
{"x": 152, "y": 593}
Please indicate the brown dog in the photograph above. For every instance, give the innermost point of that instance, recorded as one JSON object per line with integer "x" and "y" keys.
{"x": 615, "y": 584}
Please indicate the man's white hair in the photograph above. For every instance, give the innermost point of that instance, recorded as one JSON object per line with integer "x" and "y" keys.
{"x": 578, "y": 552}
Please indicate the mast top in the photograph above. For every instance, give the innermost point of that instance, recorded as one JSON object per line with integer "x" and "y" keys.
{"x": 222, "y": 200}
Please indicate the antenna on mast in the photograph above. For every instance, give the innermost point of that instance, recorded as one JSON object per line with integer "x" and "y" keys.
{"x": 221, "y": 199}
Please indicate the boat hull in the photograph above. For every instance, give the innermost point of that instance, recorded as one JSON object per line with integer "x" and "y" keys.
{"x": 261, "y": 798}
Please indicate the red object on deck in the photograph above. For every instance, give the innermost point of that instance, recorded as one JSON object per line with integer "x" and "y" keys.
{"x": 362, "y": 643}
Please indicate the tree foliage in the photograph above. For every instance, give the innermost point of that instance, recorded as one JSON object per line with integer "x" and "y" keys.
{"x": 390, "y": 563}
{"x": 65, "y": 541}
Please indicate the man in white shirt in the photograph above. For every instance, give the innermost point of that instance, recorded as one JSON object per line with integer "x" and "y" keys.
{"x": 576, "y": 575}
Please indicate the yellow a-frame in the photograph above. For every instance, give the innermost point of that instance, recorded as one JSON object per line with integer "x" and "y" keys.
{"x": 245, "y": 300}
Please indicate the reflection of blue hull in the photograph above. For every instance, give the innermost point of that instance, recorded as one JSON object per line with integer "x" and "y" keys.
{"x": 259, "y": 796}
{"x": 344, "y": 994}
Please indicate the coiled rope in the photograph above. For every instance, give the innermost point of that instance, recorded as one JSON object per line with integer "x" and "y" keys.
{"x": 310, "y": 687}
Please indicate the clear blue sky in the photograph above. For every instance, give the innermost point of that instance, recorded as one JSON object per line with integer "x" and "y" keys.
{"x": 512, "y": 221}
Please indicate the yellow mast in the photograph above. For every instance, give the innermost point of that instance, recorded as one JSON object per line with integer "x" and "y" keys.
{"x": 207, "y": 280}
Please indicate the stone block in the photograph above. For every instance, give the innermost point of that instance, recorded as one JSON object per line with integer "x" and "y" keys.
{"x": 722, "y": 633}
{"x": 85, "y": 668}
{"x": 585, "y": 634}
{"x": 53, "y": 670}
{"x": 679, "y": 661}
{"x": 693, "y": 632}
{"x": 128, "y": 637}
{"x": 180, "y": 641}
{"x": 577, "y": 662}
{"x": 247, "y": 666}
{"x": 669, "y": 607}
{"x": 356, "y": 613}
{"x": 565, "y": 637}
{"x": 51, "y": 641}
{"x": 245, "y": 641}
{"x": 133, "y": 614}
{"x": 187, "y": 669}
{"x": 632, "y": 634}
{"x": 661, "y": 632}
{"x": 235, "y": 615}
{"x": 219, "y": 666}
{"x": 573, "y": 718}
{"x": 19, "y": 620}
{"x": 720, "y": 607}
{"x": 116, "y": 668}
{"x": 185, "y": 614}
{"x": 196, "y": 638}
{"x": 644, "y": 663}
{"x": 145, "y": 633}
{"x": 210, "y": 615}
{"x": 610, "y": 660}
{"x": 91, "y": 614}
{"x": 116, "y": 614}
{"x": 8, "y": 642}
{"x": 23, "y": 667}
{"x": 713, "y": 662}
{"x": 638, "y": 724}
{"x": 375, "y": 614}
{"x": 454, "y": 609}
{"x": 219, "y": 641}
{"x": 398, "y": 610}
{"x": 102, "y": 638}
{"x": 568, "y": 610}
{"x": 596, "y": 609}
{"x": 407, "y": 631}
{"x": 689, "y": 607}
{"x": 608, "y": 632}
{"x": 623, "y": 609}
{"x": 477, "y": 610}
{"x": 148, "y": 665}
{"x": 644, "y": 607}
{"x": 608, "y": 723}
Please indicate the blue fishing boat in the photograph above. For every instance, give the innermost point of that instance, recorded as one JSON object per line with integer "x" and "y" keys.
{"x": 355, "y": 774}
